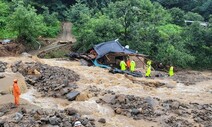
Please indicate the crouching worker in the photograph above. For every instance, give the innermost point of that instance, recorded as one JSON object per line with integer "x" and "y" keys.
{"x": 16, "y": 92}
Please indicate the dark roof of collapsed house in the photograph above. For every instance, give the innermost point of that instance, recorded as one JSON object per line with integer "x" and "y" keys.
{"x": 111, "y": 46}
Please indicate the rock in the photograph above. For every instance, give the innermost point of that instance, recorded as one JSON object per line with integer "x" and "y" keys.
{"x": 18, "y": 117}
{"x": 2, "y": 76}
{"x": 23, "y": 111}
{"x": 121, "y": 98}
{"x": 84, "y": 121}
{"x": 64, "y": 91}
{"x": 14, "y": 69}
{"x": 3, "y": 92}
{"x": 36, "y": 116}
{"x": 135, "y": 111}
{"x": 2, "y": 122}
{"x": 25, "y": 54}
{"x": 151, "y": 102}
{"x": 175, "y": 104}
{"x": 71, "y": 111}
{"x": 44, "y": 120}
{"x": 67, "y": 124}
{"x": 118, "y": 111}
{"x": 6, "y": 124}
{"x": 102, "y": 120}
{"x": 40, "y": 112}
{"x": 72, "y": 95}
{"x": 1, "y": 70}
{"x": 1, "y": 114}
{"x": 108, "y": 98}
{"x": 54, "y": 120}
{"x": 59, "y": 87}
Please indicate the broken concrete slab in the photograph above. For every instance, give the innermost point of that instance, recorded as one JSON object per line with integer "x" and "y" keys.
{"x": 72, "y": 95}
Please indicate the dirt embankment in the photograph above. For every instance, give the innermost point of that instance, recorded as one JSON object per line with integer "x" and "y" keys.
{"x": 11, "y": 49}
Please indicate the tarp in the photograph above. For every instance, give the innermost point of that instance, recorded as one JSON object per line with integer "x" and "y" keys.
{"x": 111, "y": 46}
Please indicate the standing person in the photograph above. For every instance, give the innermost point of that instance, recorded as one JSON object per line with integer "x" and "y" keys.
{"x": 123, "y": 65}
{"x": 16, "y": 92}
{"x": 148, "y": 71}
{"x": 128, "y": 63}
{"x": 171, "y": 71}
{"x": 132, "y": 66}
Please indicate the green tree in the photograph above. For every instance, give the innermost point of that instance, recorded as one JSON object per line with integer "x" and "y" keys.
{"x": 193, "y": 16}
{"x": 4, "y": 12}
{"x": 52, "y": 23}
{"x": 96, "y": 30}
{"x": 200, "y": 45}
{"x": 79, "y": 14}
{"x": 177, "y": 16}
{"x": 26, "y": 23}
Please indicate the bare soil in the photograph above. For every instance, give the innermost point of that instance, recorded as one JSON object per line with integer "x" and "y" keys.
{"x": 11, "y": 49}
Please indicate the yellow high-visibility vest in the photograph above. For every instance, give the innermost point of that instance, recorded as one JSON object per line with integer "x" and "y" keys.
{"x": 132, "y": 66}
{"x": 123, "y": 65}
{"x": 171, "y": 71}
{"x": 148, "y": 71}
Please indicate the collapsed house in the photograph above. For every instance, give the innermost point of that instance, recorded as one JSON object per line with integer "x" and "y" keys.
{"x": 109, "y": 54}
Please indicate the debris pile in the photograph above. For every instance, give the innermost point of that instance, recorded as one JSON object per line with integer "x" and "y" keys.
{"x": 49, "y": 81}
{"x": 99, "y": 92}
{"x": 171, "y": 112}
{"x": 3, "y": 66}
{"x": 190, "y": 78}
{"x": 42, "y": 117}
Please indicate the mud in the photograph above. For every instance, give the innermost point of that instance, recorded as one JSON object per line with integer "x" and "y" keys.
{"x": 191, "y": 77}
{"x": 103, "y": 95}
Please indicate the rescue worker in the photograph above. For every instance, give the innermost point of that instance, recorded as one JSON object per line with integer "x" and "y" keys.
{"x": 77, "y": 124}
{"x": 149, "y": 62}
{"x": 16, "y": 92}
{"x": 132, "y": 66}
{"x": 171, "y": 71}
{"x": 148, "y": 71}
{"x": 128, "y": 63}
{"x": 123, "y": 65}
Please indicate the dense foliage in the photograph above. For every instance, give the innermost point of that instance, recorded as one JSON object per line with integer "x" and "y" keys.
{"x": 21, "y": 20}
{"x": 153, "y": 27}
{"x": 147, "y": 27}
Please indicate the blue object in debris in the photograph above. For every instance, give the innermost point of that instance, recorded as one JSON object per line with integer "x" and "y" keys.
{"x": 100, "y": 65}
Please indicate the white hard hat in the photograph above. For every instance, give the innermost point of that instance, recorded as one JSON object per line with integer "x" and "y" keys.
{"x": 77, "y": 123}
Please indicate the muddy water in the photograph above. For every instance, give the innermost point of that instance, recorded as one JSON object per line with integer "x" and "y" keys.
{"x": 200, "y": 93}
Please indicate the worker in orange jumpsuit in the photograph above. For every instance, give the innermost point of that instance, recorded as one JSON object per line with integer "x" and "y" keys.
{"x": 16, "y": 92}
{"x": 128, "y": 64}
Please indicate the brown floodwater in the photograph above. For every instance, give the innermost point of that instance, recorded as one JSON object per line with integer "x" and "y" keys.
{"x": 94, "y": 76}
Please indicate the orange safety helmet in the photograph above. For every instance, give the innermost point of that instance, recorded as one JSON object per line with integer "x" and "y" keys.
{"x": 15, "y": 80}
